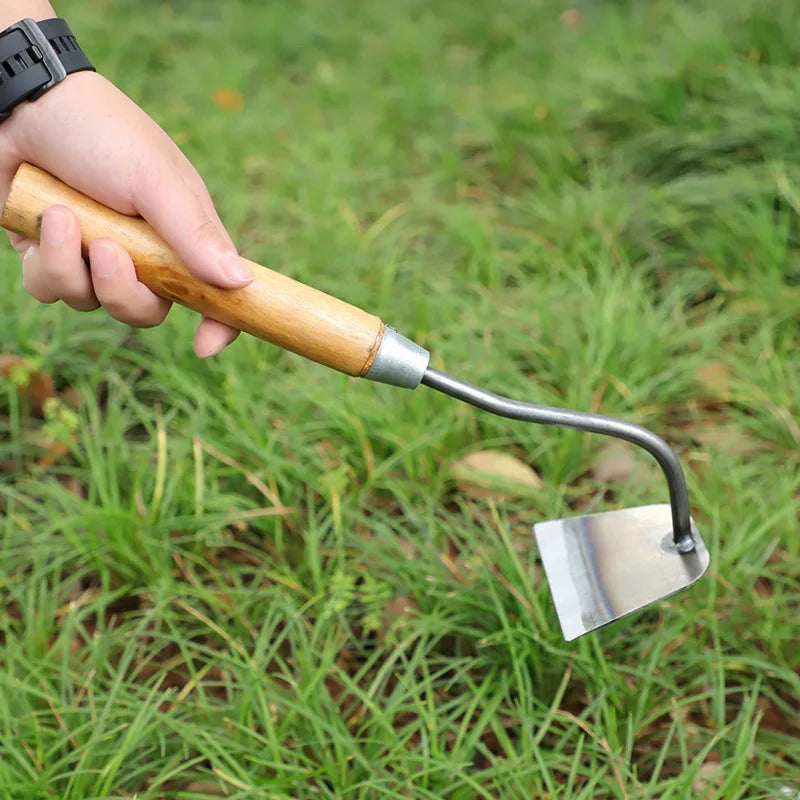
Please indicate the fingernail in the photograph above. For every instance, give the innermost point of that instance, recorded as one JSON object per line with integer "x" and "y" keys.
{"x": 235, "y": 268}
{"x": 106, "y": 266}
{"x": 55, "y": 225}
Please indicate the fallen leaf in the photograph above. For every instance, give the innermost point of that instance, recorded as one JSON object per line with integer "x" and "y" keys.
{"x": 714, "y": 379}
{"x": 708, "y": 779}
{"x": 203, "y": 787}
{"x": 72, "y": 485}
{"x": 728, "y": 440}
{"x": 615, "y": 464}
{"x": 399, "y": 607}
{"x": 572, "y": 18}
{"x": 487, "y": 473}
{"x": 396, "y": 615}
{"x": 409, "y": 548}
{"x": 228, "y": 99}
{"x": 54, "y": 452}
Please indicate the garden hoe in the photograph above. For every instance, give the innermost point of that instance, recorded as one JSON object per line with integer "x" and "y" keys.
{"x": 600, "y": 566}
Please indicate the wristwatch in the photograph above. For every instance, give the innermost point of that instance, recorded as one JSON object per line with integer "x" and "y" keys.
{"x": 34, "y": 57}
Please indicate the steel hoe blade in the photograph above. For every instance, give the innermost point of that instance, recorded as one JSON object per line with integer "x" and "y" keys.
{"x": 601, "y": 567}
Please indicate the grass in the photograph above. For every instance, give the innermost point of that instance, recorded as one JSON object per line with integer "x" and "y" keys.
{"x": 252, "y": 577}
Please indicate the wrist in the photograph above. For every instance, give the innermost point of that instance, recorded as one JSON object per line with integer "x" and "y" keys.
{"x": 37, "y": 56}
{"x": 15, "y": 10}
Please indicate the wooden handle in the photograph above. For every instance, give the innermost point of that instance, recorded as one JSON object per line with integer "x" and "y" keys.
{"x": 273, "y": 307}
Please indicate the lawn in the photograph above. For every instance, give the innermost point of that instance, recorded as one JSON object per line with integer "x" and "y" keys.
{"x": 252, "y": 577}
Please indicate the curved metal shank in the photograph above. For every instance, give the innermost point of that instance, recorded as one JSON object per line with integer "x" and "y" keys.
{"x": 582, "y": 421}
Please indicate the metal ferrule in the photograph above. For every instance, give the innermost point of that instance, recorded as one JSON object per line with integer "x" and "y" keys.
{"x": 399, "y": 362}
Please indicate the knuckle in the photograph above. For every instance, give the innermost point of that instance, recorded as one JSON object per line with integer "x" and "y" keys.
{"x": 205, "y": 232}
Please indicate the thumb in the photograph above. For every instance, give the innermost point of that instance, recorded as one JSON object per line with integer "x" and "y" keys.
{"x": 185, "y": 218}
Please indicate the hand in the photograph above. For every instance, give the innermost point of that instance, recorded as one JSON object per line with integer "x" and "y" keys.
{"x": 86, "y": 132}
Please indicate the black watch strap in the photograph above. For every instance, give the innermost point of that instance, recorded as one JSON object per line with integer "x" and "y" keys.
{"x": 34, "y": 57}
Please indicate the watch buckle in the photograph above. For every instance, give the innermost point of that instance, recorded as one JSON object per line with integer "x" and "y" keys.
{"x": 43, "y": 48}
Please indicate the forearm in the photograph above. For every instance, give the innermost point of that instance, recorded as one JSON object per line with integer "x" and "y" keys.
{"x": 12, "y": 11}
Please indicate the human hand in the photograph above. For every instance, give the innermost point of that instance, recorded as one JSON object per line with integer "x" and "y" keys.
{"x": 89, "y": 134}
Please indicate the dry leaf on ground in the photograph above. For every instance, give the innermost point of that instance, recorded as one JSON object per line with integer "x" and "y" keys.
{"x": 228, "y": 99}
{"x": 615, "y": 463}
{"x": 489, "y": 473}
{"x": 708, "y": 779}
{"x": 572, "y": 18}
{"x": 396, "y": 614}
{"x": 727, "y": 439}
{"x": 208, "y": 789}
{"x": 715, "y": 381}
